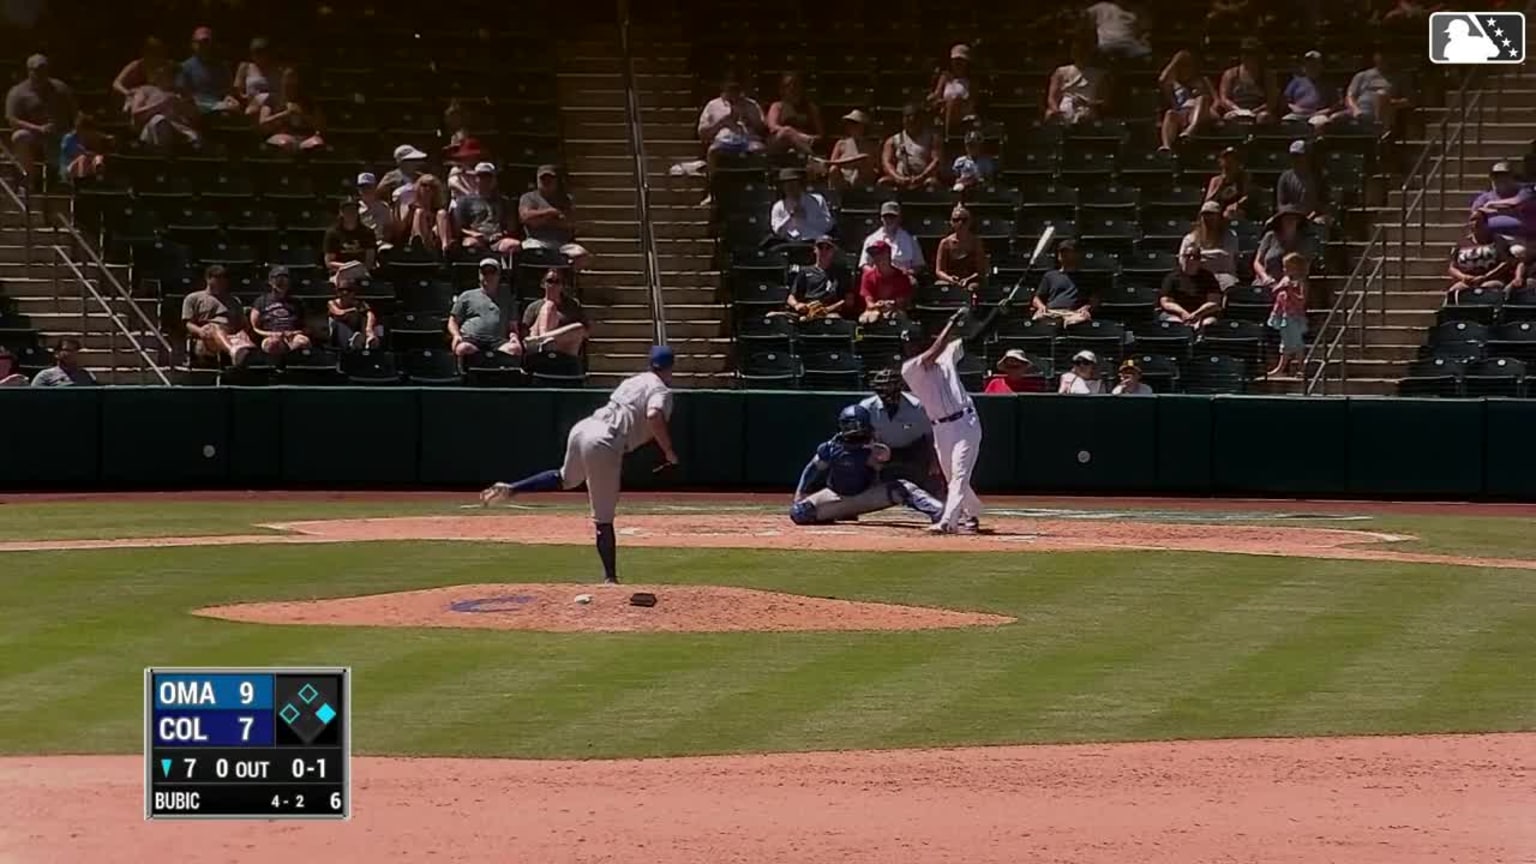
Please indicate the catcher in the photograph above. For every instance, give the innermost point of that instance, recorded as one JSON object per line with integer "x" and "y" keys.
{"x": 819, "y": 290}
{"x": 851, "y": 462}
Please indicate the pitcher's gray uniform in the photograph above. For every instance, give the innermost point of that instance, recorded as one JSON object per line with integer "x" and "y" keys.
{"x": 595, "y": 447}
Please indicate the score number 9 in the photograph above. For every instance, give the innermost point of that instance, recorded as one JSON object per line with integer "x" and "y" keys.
{"x": 247, "y": 692}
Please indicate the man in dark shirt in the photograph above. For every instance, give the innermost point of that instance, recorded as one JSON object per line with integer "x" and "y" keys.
{"x": 276, "y": 318}
{"x": 482, "y": 220}
{"x": 349, "y": 240}
{"x": 38, "y": 110}
{"x": 1058, "y": 296}
{"x": 823, "y": 287}
{"x": 1190, "y": 294}
{"x": 1299, "y": 186}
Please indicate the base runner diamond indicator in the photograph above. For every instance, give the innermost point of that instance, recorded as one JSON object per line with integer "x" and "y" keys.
{"x": 289, "y": 714}
{"x": 326, "y": 713}
{"x": 308, "y": 693}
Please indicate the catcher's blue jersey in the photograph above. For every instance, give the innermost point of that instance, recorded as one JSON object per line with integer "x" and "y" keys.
{"x": 848, "y": 467}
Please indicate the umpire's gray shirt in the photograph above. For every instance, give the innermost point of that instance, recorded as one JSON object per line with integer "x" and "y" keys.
{"x": 907, "y": 427}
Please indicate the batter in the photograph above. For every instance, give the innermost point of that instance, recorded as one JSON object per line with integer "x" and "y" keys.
{"x": 935, "y": 381}
{"x": 636, "y": 414}
{"x": 851, "y": 462}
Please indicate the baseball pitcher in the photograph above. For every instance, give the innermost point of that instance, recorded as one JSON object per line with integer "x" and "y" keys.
{"x": 636, "y": 414}
{"x": 851, "y": 462}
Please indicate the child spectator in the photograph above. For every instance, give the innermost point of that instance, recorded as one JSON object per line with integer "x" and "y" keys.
{"x": 884, "y": 291}
{"x": 1130, "y": 381}
{"x": 1482, "y": 260}
{"x": 353, "y": 323}
{"x": 974, "y": 168}
{"x": 1288, "y": 316}
{"x": 1018, "y": 376}
{"x": 82, "y": 152}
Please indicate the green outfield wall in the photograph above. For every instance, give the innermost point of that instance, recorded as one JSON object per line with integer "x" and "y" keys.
{"x": 345, "y": 438}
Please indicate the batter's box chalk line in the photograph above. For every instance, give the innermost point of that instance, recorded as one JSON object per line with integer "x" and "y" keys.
{"x": 499, "y": 507}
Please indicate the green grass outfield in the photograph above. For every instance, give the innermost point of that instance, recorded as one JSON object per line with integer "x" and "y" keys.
{"x": 1108, "y": 646}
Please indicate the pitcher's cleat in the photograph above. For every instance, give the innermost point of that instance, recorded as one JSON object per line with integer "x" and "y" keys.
{"x": 496, "y": 493}
{"x": 969, "y": 525}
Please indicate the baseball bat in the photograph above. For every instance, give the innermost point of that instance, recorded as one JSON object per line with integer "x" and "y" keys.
{"x": 1040, "y": 246}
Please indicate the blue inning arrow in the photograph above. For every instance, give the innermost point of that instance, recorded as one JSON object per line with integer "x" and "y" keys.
{"x": 165, "y": 766}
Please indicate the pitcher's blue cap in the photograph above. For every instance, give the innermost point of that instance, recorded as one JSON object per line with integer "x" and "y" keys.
{"x": 661, "y": 357}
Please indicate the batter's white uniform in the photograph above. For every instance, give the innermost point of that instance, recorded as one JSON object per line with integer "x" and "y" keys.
{"x": 956, "y": 428}
{"x": 595, "y": 447}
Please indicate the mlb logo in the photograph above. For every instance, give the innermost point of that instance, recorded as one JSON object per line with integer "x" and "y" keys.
{"x": 1476, "y": 38}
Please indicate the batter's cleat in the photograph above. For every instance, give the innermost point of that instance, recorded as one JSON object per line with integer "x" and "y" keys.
{"x": 940, "y": 528}
{"x": 496, "y": 493}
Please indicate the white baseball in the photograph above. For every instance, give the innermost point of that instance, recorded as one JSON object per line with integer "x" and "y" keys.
{"x": 1083, "y": 456}
{"x": 583, "y": 599}
{"x": 209, "y": 450}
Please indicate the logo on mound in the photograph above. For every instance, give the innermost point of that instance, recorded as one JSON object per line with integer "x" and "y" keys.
{"x": 510, "y": 603}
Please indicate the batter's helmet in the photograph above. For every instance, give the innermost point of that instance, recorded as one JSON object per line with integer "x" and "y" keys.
{"x": 855, "y": 421}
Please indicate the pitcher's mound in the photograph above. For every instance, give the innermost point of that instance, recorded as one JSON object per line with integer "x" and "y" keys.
{"x": 554, "y": 607}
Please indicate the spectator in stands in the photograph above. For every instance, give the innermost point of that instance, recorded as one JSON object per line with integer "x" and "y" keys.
{"x": 276, "y": 318}
{"x": 161, "y": 115}
{"x": 951, "y": 95}
{"x": 353, "y": 324}
{"x": 1509, "y": 206}
{"x": 461, "y": 159}
{"x": 1247, "y": 91}
{"x": 905, "y": 253}
{"x": 822, "y": 288}
{"x": 256, "y": 78}
{"x": 1130, "y": 381}
{"x": 290, "y": 119}
{"x": 1083, "y": 378}
{"x": 1482, "y": 260}
{"x": 206, "y": 78}
{"x": 9, "y": 377}
{"x": 548, "y": 221}
{"x": 38, "y": 110}
{"x": 1216, "y": 243}
{"x": 1058, "y": 295}
{"x": 458, "y": 119}
{"x": 1309, "y": 97}
{"x": 885, "y": 291}
{"x": 911, "y": 158}
{"x": 66, "y": 370}
{"x": 1079, "y": 90}
{"x": 1282, "y": 236}
{"x": 349, "y": 240}
{"x": 1300, "y": 186}
{"x": 731, "y": 124}
{"x": 1018, "y": 375}
{"x": 484, "y": 223}
{"x": 855, "y": 157}
{"x": 794, "y": 121}
{"x": 216, "y": 320}
{"x": 1374, "y": 95}
{"x": 83, "y": 151}
{"x": 961, "y": 258}
{"x": 798, "y": 217}
{"x": 375, "y": 215}
{"x": 427, "y": 215}
{"x": 556, "y": 321}
{"x": 1229, "y": 187}
{"x": 479, "y": 322}
{"x": 1288, "y": 316}
{"x": 141, "y": 70}
{"x": 1190, "y": 295}
{"x": 973, "y": 167}
{"x": 1121, "y": 32}
{"x": 398, "y": 186}
{"x": 1187, "y": 99}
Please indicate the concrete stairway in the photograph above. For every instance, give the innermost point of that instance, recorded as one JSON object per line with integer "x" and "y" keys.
{"x": 52, "y": 299}
{"x": 1393, "y": 338}
{"x": 696, "y": 319}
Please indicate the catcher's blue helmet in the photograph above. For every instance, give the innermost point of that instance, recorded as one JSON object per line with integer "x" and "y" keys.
{"x": 855, "y": 420}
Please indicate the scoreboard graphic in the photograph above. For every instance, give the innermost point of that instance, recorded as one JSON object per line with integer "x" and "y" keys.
{"x": 264, "y": 743}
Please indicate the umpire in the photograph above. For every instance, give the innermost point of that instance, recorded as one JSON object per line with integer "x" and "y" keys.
{"x": 901, "y": 425}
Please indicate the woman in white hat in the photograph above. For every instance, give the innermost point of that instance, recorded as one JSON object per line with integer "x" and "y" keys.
{"x": 1018, "y": 375}
{"x": 1216, "y": 243}
{"x": 855, "y": 156}
{"x": 951, "y": 95}
{"x": 1084, "y": 375}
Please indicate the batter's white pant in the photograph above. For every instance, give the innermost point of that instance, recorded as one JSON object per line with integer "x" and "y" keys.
{"x": 958, "y": 444}
{"x": 594, "y": 458}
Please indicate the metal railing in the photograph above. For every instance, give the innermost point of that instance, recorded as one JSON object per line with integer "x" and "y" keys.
{"x": 165, "y": 354}
{"x": 61, "y": 256}
{"x": 1350, "y": 308}
{"x": 642, "y": 183}
{"x": 1431, "y": 163}
{"x": 22, "y": 200}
